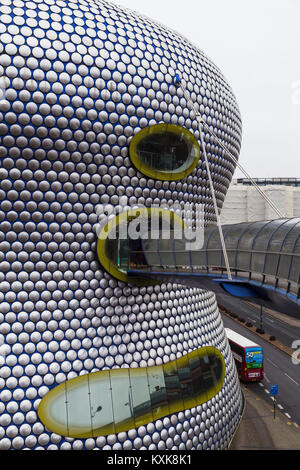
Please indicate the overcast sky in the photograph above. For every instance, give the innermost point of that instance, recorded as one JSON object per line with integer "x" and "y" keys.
{"x": 257, "y": 47}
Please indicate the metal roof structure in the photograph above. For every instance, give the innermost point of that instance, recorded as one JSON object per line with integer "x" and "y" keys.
{"x": 264, "y": 259}
{"x": 240, "y": 340}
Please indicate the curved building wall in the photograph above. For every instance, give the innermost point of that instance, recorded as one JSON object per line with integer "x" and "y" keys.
{"x": 78, "y": 81}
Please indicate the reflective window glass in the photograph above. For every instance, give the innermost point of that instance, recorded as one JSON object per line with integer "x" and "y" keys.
{"x": 186, "y": 382}
{"x": 196, "y": 373}
{"x": 102, "y": 417}
{"x": 158, "y": 392}
{"x": 78, "y": 406}
{"x": 140, "y": 395}
{"x": 165, "y": 151}
{"x": 173, "y": 387}
{"x": 248, "y": 236}
{"x": 109, "y": 402}
{"x": 122, "y": 400}
{"x": 58, "y": 410}
{"x": 208, "y": 373}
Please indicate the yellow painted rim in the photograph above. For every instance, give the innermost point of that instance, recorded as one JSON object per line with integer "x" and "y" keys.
{"x": 87, "y": 431}
{"x": 112, "y": 225}
{"x": 175, "y": 175}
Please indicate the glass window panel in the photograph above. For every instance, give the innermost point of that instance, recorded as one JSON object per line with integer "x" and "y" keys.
{"x": 101, "y": 403}
{"x": 78, "y": 406}
{"x": 141, "y": 403}
{"x": 214, "y": 258}
{"x": 271, "y": 264}
{"x": 164, "y": 151}
{"x": 264, "y": 236}
{"x": 182, "y": 257}
{"x": 243, "y": 260}
{"x": 231, "y": 258}
{"x": 58, "y": 410}
{"x": 173, "y": 387}
{"x": 122, "y": 400}
{"x": 165, "y": 253}
{"x": 186, "y": 382}
{"x": 209, "y": 380}
{"x": 158, "y": 392}
{"x": 290, "y": 265}
{"x": 257, "y": 262}
{"x": 233, "y": 234}
{"x": 196, "y": 373}
{"x": 248, "y": 236}
{"x": 150, "y": 249}
{"x": 216, "y": 367}
{"x": 290, "y": 239}
{"x": 284, "y": 268}
{"x": 213, "y": 241}
{"x": 167, "y": 259}
{"x": 198, "y": 258}
{"x": 279, "y": 237}
{"x": 164, "y": 245}
{"x": 295, "y": 269}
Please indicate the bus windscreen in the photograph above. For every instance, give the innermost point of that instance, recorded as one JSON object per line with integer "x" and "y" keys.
{"x": 254, "y": 358}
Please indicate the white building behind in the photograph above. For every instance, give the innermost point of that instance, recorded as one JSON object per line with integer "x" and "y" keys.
{"x": 243, "y": 202}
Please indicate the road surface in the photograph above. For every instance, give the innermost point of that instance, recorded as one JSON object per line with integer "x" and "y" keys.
{"x": 279, "y": 370}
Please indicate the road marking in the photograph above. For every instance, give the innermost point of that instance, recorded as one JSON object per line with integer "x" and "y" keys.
{"x": 267, "y": 379}
{"x": 267, "y": 391}
{"x": 292, "y": 380}
{"x": 275, "y": 365}
{"x": 261, "y": 385}
{"x": 280, "y": 407}
{"x": 288, "y": 416}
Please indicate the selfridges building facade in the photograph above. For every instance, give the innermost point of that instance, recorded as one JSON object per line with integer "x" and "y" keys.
{"x": 89, "y": 361}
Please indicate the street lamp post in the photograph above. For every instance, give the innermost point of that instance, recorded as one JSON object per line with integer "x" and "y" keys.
{"x": 261, "y": 328}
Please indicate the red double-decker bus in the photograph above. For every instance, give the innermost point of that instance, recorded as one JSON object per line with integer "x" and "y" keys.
{"x": 248, "y": 356}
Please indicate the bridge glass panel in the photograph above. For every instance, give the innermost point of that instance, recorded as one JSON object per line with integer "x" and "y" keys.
{"x": 214, "y": 249}
{"x": 275, "y": 246}
{"x": 295, "y": 263}
{"x": 181, "y": 256}
{"x": 288, "y": 249}
{"x": 260, "y": 246}
{"x": 151, "y": 255}
{"x": 245, "y": 246}
{"x": 232, "y": 236}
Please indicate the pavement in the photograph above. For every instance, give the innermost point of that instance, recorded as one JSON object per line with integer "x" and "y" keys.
{"x": 260, "y": 431}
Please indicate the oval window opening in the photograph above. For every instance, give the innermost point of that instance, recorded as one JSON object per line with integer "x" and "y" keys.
{"x": 115, "y": 401}
{"x": 119, "y": 244}
{"x": 165, "y": 152}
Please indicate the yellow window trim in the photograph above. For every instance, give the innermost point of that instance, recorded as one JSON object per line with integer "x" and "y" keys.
{"x": 175, "y": 175}
{"x": 113, "y": 224}
{"x": 87, "y": 431}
